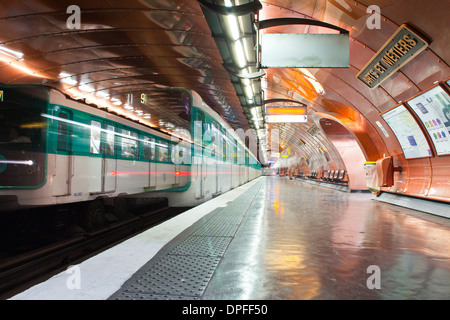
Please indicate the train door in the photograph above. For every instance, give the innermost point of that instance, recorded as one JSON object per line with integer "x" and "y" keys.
{"x": 109, "y": 159}
{"x": 63, "y": 155}
{"x": 215, "y": 155}
{"x": 175, "y": 159}
{"x": 199, "y": 163}
{"x": 225, "y": 174}
{"x": 234, "y": 166}
{"x": 102, "y": 162}
{"x": 247, "y": 168}
{"x": 241, "y": 164}
{"x": 246, "y": 160}
{"x": 94, "y": 165}
{"x": 150, "y": 156}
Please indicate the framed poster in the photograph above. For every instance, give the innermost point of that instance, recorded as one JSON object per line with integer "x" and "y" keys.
{"x": 408, "y": 132}
{"x": 432, "y": 107}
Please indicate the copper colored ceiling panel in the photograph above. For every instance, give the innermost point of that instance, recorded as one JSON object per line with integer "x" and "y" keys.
{"x": 121, "y": 47}
{"x": 343, "y": 94}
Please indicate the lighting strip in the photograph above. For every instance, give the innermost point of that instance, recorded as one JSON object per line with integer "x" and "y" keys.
{"x": 101, "y": 129}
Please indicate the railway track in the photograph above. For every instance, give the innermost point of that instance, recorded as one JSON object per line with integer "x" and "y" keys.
{"x": 25, "y": 270}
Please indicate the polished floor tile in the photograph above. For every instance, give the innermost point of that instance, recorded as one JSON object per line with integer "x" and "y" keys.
{"x": 299, "y": 241}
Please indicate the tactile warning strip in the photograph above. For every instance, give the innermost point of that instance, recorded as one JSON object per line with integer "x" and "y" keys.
{"x": 226, "y": 219}
{"x": 217, "y": 230}
{"x": 183, "y": 276}
{"x": 183, "y": 271}
{"x": 202, "y": 246}
{"x": 149, "y": 296}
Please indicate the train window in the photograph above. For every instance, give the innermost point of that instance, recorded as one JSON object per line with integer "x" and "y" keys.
{"x": 240, "y": 155}
{"x": 173, "y": 156}
{"x": 149, "y": 148}
{"x": 163, "y": 152}
{"x": 224, "y": 149}
{"x": 215, "y": 141}
{"x": 130, "y": 144}
{"x": 184, "y": 154}
{"x": 96, "y": 129}
{"x": 62, "y": 144}
{"x": 109, "y": 147}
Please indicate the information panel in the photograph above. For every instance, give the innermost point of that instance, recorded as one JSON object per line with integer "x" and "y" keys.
{"x": 433, "y": 109}
{"x": 408, "y": 132}
{"x": 286, "y": 118}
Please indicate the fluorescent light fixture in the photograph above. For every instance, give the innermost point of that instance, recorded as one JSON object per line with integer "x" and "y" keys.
{"x": 249, "y": 91}
{"x": 116, "y": 101}
{"x": 102, "y": 94}
{"x": 66, "y": 78}
{"x": 11, "y": 53}
{"x": 239, "y": 54}
{"x": 86, "y": 88}
{"x": 233, "y": 25}
{"x": 248, "y": 49}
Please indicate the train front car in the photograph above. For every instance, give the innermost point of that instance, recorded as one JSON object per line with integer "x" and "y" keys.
{"x": 22, "y": 144}
{"x": 64, "y": 154}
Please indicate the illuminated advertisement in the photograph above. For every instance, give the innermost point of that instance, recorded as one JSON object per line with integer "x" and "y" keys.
{"x": 432, "y": 107}
{"x": 408, "y": 132}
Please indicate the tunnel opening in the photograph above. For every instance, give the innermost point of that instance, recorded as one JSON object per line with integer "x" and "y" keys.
{"x": 352, "y": 154}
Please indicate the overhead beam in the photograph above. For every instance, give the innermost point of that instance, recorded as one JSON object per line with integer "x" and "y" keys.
{"x": 283, "y": 100}
{"x": 290, "y": 21}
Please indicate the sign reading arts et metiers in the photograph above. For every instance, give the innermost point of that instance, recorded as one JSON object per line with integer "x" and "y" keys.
{"x": 403, "y": 46}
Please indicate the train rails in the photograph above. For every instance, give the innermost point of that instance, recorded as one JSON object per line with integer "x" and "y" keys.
{"x": 29, "y": 268}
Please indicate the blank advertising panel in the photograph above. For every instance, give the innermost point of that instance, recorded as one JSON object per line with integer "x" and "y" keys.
{"x": 298, "y": 50}
{"x": 408, "y": 132}
{"x": 432, "y": 107}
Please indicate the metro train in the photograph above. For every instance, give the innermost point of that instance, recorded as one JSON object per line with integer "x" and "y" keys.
{"x": 56, "y": 151}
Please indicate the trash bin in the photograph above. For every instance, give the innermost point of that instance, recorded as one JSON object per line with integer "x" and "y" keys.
{"x": 371, "y": 177}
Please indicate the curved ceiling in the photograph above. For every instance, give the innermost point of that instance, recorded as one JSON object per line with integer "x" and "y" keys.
{"x": 338, "y": 91}
{"x": 120, "y": 47}
{"x": 126, "y": 46}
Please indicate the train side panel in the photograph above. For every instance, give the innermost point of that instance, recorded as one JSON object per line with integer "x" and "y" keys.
{"x": 89, "y": 153}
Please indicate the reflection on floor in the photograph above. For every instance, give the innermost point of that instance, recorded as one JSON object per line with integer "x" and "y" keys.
{"x": 299, "y": 241}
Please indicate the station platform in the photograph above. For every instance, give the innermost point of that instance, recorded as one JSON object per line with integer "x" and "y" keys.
{"x": 271, "y": 239}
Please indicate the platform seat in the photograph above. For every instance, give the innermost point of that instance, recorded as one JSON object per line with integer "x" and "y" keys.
{"x": 326, "y": 175}
{"x": 330, "y": 176}
{"x": 339, "y": 176}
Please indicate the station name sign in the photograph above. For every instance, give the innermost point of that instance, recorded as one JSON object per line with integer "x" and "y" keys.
{"x": 403, "y": 46}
